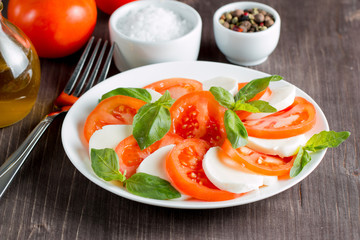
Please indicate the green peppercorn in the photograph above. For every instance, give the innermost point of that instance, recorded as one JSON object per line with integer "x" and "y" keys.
{"x": 228, "y": 17}
{"x": 262, "y": 28}
{"x": 234, "y": 20}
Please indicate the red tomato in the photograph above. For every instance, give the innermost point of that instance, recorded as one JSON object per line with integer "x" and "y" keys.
{"x": 297, "y": 119}
{"x": 130, "y": 155}
{"x": 199, "y": 115}
{"x": 56, "y": 28}
{"x": 109, "y": 6}
{"x": 184, "y": 166}
{"x": 259, "y": 162}
{"x": 113, "y": 110}
{"x": 176, "y": 86}
{"x": 243, "y": 114}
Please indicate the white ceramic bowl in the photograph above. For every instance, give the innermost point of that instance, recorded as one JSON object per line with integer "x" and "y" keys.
{"x": 132, "y": 53}
{"x": 245, "y": 48}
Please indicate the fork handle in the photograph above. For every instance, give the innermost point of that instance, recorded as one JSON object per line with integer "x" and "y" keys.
{"x": 10, "y": 167}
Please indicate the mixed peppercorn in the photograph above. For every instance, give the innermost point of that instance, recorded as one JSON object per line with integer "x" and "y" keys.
{"x": 248, "y": 20}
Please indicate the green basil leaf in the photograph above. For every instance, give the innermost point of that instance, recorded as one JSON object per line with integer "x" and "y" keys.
{"x": 254, "y": 87}
{"x": 150, "y": 124}
{"x": 138, "y": 93}
{"x": 149, "y": 186}
{"x": 165, "y": 100}
{"x": 326, "y": 139}
{"x": 305, "y": 159}
{"x": 224, "y": 97}
{"x": 105, "y": 164}
{"x": 302, "y": 158}
{"x": 243, "y": 106}
{"x": 263, "y": 106}
{"x": 235, "y": 130}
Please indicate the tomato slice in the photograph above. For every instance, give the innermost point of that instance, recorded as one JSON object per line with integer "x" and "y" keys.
{"x": 184, "y": 166}
{"x": 297, "y": 119}
{"x": 176, "y": 86}
{"x": 259, "y": 162}
{"x": 199, "y": 115}
{"x": 267, "y": 92}
{"x": 114, "y": 110}
{"x": 130, "y": 155}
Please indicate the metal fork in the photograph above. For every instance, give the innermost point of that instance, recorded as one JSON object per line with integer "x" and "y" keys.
{"x": 79, "y": 82}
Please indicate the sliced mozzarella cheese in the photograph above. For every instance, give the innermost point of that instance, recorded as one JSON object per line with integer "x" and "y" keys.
{"x": 281, "y": 98}
{"x": 109, "y": 136}
{"x": 154, "y": 165}
{"x": 230, "y": 179}
{"x": 227, "y": 83}
{"x": 270, "y": 180}
{"x": 154, "y": 95}
{"x": 283, "y": 147}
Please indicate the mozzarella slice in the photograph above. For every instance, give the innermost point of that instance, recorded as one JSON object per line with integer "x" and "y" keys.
{"x": 285, "y": 147}
{"x": 154, "y": 165}
{"x": 227, "y": 83}
{"x": 109, "y": 136}
{"x": 281, "y": 98}
{"x": 154, "y": 95}
{"x": 230, "y": 179}
{"x": 270, "y": 180}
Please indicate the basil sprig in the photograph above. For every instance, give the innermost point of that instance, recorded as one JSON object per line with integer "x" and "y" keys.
{"x": 152, "y": 121}
{"x": 235, "y": 129}
{"x": 105, "y": 164}
{"x": 139, "y": 93}
{"x": 149, "y": 186}
{"x": 249, "y": 91}
{"x": 318, "y": 142}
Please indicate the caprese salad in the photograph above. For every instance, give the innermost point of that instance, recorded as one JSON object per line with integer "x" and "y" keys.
{"x": 213, "y": 141}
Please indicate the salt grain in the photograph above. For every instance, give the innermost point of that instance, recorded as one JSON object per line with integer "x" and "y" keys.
{"x": 153, "y": 24}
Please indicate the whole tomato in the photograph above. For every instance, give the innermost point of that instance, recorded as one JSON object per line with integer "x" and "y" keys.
{"x": 109, "y": 6}
{"x": 57, "y": 28}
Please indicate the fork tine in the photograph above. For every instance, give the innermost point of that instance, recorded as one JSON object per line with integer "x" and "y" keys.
{"x": 106, "y": 67}
{"x": 75, "y": 75}
{"x": 96, "y": 68}
{"x": 82, "y": 81}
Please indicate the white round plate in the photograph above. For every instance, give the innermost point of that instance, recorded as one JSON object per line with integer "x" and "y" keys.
{"x": 76, "y": 147}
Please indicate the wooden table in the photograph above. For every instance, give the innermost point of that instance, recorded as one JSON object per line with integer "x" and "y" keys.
{"x": 318, "y": 52}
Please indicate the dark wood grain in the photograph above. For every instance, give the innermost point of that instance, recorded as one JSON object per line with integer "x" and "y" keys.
{"x": 318, "y": 51}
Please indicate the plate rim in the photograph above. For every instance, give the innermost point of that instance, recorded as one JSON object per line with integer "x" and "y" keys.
{"x": 96, "y": 90}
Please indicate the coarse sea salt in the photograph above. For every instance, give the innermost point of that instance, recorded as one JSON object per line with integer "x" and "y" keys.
{"x": 153, "y": 24}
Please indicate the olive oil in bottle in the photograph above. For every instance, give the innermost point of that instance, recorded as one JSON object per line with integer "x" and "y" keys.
{"x": 19, "y": 73}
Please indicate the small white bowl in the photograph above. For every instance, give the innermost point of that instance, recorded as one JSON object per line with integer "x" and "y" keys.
{"x": 246, "y": 48}
{"x": 132, "y": 53}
